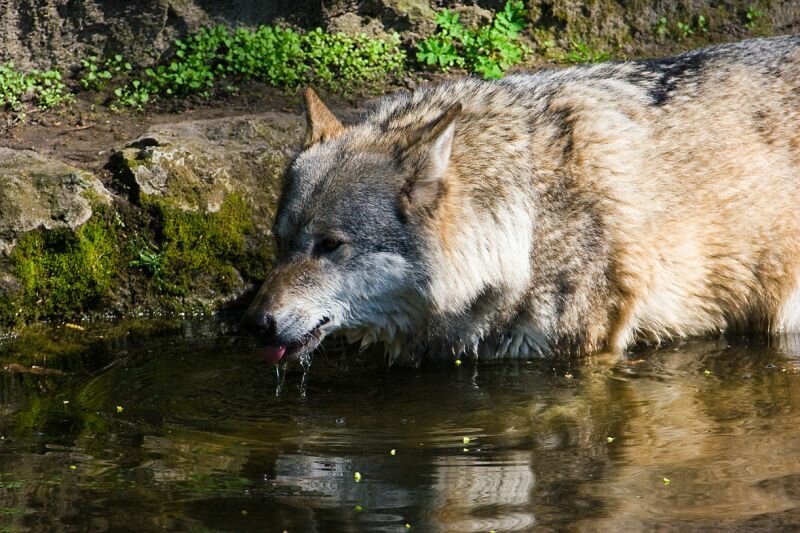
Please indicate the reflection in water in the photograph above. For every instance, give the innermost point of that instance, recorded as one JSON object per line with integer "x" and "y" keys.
{"x": 501, "y": 486}
{"x": 204, "y": 443}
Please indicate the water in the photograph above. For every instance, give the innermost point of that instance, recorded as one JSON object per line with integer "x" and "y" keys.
{"x": 178, "y": 427}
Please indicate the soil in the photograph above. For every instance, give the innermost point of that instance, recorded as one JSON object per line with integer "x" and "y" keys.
{"x": 85, "y": 132}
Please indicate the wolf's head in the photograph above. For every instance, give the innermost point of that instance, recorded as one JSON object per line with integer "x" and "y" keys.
{"x": 350, "y": 232}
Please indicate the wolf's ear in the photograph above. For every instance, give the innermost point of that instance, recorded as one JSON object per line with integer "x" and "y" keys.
{"x": 322, "y": 124}
{"x": 428, "y": 155}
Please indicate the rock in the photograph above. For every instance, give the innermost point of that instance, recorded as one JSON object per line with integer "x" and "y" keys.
{"x": 194, "y": 165}
{"x": 194, "y": 236}
{"x": 58, "y": 33}
{"x": 632, "y": 27}
{"x": 210, "y": 188}
{"x": 36, "y": 192}
{"x": 414, "y": 17}
{"x": 472, "y": 16}
{"x": 354, "y": 24}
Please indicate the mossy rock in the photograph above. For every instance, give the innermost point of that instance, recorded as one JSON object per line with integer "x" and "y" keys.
{"x": 191, "y": 236}
{"x": 38, "y": 192}
{"x": 61, "y": 272}
{"x": 635, "y": 28}
{"x": 209, "y": 188}
{"x": 206, "y": 256}
{"x": 194, "y": 165}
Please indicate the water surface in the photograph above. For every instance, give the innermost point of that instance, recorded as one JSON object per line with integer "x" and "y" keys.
{"x": 181, "y": 427}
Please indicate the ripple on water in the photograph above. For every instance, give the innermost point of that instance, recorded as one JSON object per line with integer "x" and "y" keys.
{"x": 209, "y": 439}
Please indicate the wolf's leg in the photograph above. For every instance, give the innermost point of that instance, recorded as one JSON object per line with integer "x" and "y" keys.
{"x": 622, "y": 328}
{"x": 788, "y": 319}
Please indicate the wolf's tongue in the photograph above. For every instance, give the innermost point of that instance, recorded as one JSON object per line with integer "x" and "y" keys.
{"x": 273, "y": 354}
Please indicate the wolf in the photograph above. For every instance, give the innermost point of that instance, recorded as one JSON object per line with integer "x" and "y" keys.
{"x": 563, "y": 211}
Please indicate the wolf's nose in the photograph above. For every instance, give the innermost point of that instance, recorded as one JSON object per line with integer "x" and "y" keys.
{"x": 260, "y": 324}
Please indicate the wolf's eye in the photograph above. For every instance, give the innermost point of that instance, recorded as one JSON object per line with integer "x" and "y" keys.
{"x": 328, "y": 245}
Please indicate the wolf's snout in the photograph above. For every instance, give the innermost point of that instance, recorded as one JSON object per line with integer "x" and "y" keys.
{"x": 260, "y": 324}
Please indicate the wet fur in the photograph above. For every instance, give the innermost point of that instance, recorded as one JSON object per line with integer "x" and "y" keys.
{"x": 578, "y": 210}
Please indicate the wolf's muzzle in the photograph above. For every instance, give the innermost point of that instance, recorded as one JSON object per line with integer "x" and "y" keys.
{"x": 260, "y": 324}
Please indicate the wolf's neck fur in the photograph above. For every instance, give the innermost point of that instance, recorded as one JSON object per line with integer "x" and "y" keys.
{"x": 517, "y": 257}
{"x": 492, "y": 292}
{"x": 520, "y": 256}
{"x": 495, "y": 289}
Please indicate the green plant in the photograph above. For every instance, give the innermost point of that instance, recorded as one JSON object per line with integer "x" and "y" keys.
{"x": 341, "y": 61}
{"x": 270, "y": 54}
{"x": 280, "y": 57}
{"x": 148, "y": 258}
{"x": 44, "y": 89}
{"x": 440, "y": 49}
{"x": 582, "y": 52}
{"x": 193, "y": 70}
{"x": 681, "y": 30}
{"x": 13, "y": 85}
{"x": 702, "y": 24}
{"x": 685, "y": 30}
{"x": 98, "y": 75}
{"x": 489, "y": 50}
{"x": 49, "y": 90}
{"x": 94, "y": 77}
{"x": 753, "y": 17}
{"x": 135, "y": 94}
{"x": 661, "y": 28}
{"x": 495, "y": 47}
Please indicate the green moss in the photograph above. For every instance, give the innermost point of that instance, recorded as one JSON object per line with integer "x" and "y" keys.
{"x": 62, "y": 273}
{"x": 207, "y": 250}
{"x": 165, "y": 257}
{"x": 160, "y": 257}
